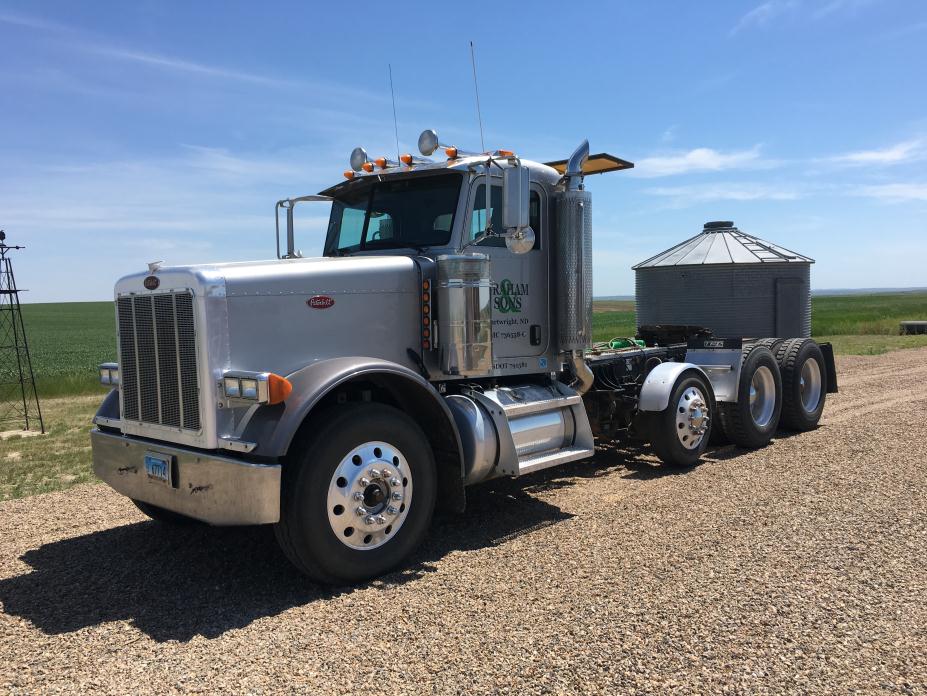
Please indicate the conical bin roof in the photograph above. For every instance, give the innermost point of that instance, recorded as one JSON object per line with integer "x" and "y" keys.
{"x": 721, "y": 243}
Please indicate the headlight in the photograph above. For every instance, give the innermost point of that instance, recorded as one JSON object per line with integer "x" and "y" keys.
{"x": 249, "y": 389}
{"x": 232, "y": 387}
{"x": 109, "y": 374}
{"x": 243, "y": 388}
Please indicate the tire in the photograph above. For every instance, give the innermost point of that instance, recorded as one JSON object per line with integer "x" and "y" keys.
{"x": 771, "y": 343}
{"x": 672, "y": 431}
{"x": 718, "y": 436}
{"x": 362, "y": 449}
{"x": 804, "y": 383}
{"x": 159, "y": 514}
{"x": 752, "y": 420}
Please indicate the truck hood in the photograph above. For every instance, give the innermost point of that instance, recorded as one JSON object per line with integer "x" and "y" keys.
{"x": 350, "y": 275}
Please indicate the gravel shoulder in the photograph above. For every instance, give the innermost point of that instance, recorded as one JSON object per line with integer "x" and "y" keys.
{"x": 797, "y": 568}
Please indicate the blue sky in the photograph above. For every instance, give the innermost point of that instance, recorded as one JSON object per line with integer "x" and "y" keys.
{"x": 132, "y": 132}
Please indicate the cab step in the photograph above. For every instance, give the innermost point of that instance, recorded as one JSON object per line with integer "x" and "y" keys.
{"x": 537, "y": 462}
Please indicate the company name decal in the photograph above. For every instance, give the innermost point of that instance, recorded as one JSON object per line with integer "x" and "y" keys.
{"x": 151, "y": 282}
{"x": 508, "y": 296}
{"x": 320, "y": 302}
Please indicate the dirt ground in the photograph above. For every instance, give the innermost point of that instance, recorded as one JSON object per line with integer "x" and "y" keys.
{"x": 796, "y": 569}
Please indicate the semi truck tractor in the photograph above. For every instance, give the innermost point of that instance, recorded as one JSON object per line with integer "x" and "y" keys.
{"x": 444, "y": 338}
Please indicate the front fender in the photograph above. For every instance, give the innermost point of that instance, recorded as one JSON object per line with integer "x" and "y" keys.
{"x": 655, "y": 393}
{"x": 273, "y": 428}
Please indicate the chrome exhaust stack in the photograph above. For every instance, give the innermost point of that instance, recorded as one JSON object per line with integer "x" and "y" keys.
{"x": 574, "y": 168}
{"x": 574, "y": 269}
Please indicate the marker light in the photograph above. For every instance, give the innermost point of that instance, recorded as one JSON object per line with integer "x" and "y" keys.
{"x": 367, "y": 167}
{"x": 255, "y": 387}
{"x": 451, "y": 152}
{"x": 405, "y": 158}
{"x": 505, "y": 153}
{"x": 381, "y": 162}
{"x": 348, "y": 174}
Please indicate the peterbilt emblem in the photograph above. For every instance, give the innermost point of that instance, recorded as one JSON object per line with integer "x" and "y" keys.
{"x": 152, "y": 282}
{"x": 320, "y": 302}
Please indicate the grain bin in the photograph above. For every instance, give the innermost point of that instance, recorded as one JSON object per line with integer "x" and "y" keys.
{"x": 728, "y": 281}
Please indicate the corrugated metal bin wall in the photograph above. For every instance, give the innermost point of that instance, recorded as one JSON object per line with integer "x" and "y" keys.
{"x": 733, "y": 300}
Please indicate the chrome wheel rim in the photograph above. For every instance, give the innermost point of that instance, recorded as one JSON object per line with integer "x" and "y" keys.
{"x": 692, "y": 418}
{"x": 762, "y": 396}
{"x": 369, "y": 495}
{"x": 809, "y": 385}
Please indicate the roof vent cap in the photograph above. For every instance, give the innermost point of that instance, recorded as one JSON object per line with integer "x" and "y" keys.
{"x": 719, "y": 225}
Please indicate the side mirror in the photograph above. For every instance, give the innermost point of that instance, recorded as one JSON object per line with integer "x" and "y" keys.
{"x": 519, "y": 237}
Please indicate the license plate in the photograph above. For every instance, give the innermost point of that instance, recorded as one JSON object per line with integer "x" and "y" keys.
{"x": 158, "y": 467}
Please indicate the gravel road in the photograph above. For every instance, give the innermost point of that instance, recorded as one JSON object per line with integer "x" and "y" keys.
{"x": 799, "y": 568}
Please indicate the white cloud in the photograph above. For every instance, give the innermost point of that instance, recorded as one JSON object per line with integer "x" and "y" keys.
{"x": 762, "y": 14}
{"x": 838, "y": 6}
{"x": 669, "y": 135}
{"x": 896, "y": 154}
{"x": 895, "y": 193}
{"x": 161, "y": 61}
{"x": 735, "y": 191}
{"x": 701, "y": 159}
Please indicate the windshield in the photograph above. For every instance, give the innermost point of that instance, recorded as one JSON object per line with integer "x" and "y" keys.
{"x": 400, "y": 213}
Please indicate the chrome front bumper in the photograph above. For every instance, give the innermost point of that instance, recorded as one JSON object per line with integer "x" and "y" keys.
{"x": 214, "y": 489}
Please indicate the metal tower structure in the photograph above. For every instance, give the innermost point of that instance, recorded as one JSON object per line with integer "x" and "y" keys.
{"x": 19, "y": 400}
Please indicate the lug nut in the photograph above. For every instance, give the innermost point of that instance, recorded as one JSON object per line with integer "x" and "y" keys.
{"x": 364, "y": 482}
{"x": 369, "y": 520}
{"x": 358, "y": 495}
{"x": 374, "y": 473}
{"x": 380, "y": 519}
{"x": 397, "y": 495}
{"x": 387, "y": 473}
{"x": 395, "y": 482}
{"x": 392, "y": 510}
{"x": 361, "y": 511}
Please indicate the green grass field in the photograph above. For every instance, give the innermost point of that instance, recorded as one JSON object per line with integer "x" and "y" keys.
{"x": 68, "y": 340}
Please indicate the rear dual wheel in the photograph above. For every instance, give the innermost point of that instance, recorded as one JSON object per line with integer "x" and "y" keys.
{"x": 752, "y": 420}
{"x": 804, "y": 383}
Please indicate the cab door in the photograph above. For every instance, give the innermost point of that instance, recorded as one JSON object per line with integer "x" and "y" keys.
{"x": 520, "y": 297}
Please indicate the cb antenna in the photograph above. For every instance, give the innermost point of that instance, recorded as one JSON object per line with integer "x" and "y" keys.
{"x": 476, "y": 89}
{"x": 395, "y": 121}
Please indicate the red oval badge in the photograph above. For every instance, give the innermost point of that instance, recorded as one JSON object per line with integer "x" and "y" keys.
{"x": 151, "y": 282}
{"x": 320, "y": 302}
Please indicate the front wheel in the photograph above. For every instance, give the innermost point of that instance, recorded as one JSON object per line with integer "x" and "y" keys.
{"x": 679, "y": 434}
{"x": 358, "y": 496}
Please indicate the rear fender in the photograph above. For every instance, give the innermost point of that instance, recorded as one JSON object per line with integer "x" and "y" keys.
{"x": 655, "y": 393}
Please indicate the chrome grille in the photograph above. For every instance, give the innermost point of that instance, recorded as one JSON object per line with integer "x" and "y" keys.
{"x": 157, "y": 349}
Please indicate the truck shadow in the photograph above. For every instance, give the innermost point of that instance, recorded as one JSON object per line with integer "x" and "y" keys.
{"x": 174, "y": 583}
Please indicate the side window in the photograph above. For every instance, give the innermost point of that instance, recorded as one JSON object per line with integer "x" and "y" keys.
{"x": 478, "y": 218}
{"x": 534, "y": 217}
